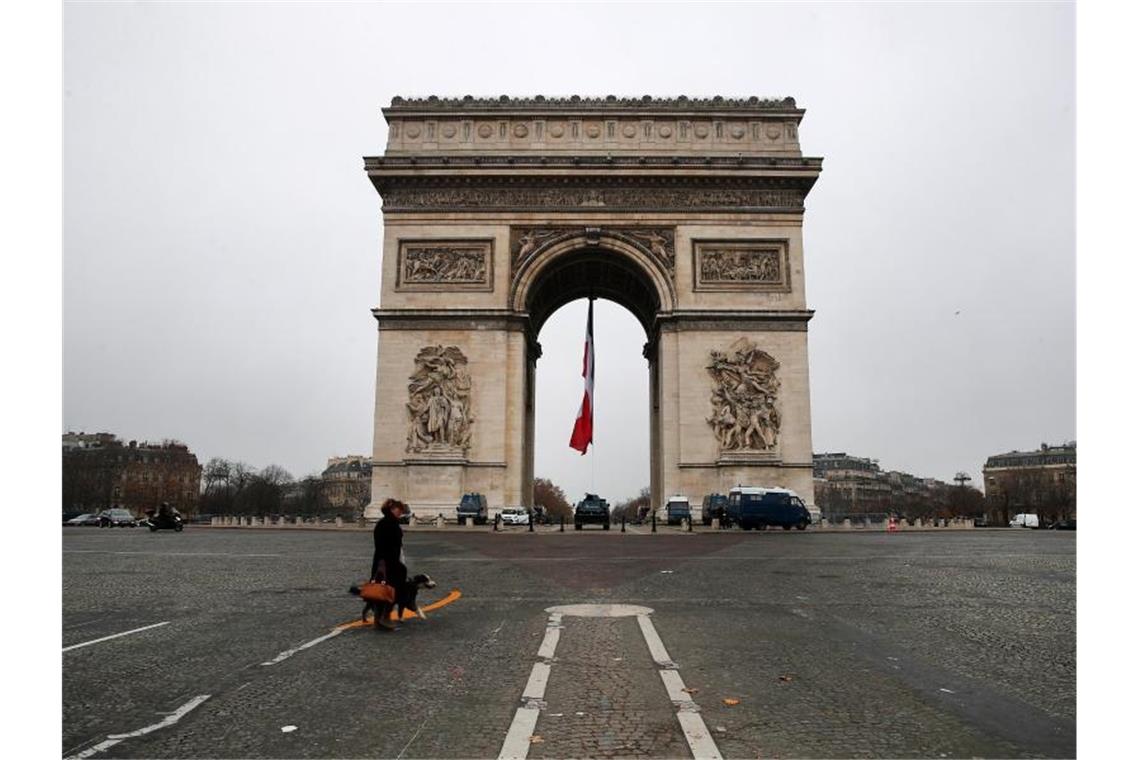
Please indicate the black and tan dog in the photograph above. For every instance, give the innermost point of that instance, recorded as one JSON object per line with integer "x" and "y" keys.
{"x": 404, "y": 599}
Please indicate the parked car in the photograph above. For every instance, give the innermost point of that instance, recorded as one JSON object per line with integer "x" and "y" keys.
{"x": 592, "y": 509}
{"x": 117, "y": 518}
{"x": 1024, "y": 521}
{"x": 473, "y": 506}
{"x": 85, "y": 519}
{"x": 760, "y": 507}
{"x": 514, "y": 516}
{"x": 714, "y": 505}
{"x": 1064, "y": 524}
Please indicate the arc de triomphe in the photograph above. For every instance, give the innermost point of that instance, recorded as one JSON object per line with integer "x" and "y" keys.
{"x": 688, "y": 212}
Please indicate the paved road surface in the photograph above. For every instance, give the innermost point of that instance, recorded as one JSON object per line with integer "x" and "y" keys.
{"x": 834, "y": 645}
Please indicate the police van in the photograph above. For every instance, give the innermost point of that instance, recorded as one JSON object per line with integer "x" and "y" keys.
{"x": 758, "y": 507}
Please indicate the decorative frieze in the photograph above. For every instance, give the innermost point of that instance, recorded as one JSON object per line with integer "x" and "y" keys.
{"x": 741, "y": 265}
{"x": 600, "y": 198}
{"x": 745, "y": 418}
{"x": 655, "y": 242}
{"x": 439, "y": 403}
{"x": 445, "y": 265}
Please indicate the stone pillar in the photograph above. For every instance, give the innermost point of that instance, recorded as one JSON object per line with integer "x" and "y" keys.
{"x": 339, "y": 522}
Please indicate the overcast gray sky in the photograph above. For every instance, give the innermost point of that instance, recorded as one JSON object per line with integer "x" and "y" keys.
{"x": 221, "y": 246}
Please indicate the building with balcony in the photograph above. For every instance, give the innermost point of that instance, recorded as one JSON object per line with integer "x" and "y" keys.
{"x": 101, "y": 472}
{"x": 1041, "y": 482}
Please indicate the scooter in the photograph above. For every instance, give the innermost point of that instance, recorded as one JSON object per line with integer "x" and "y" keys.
{"x": 164, "y": 522}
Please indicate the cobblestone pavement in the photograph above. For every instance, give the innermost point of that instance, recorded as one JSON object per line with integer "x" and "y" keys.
{"x": 833, "y": 644}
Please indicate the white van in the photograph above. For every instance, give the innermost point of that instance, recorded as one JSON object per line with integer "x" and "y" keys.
{"x": 1024, "y": 521}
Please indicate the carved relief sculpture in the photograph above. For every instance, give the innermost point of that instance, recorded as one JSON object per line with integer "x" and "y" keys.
{"x": 461, "y": 264}
{"x": 439, "y": 402}
{"x": 745, "y": 388}
{"x": 656, "y": 242}
{"x": 741, "y": 265}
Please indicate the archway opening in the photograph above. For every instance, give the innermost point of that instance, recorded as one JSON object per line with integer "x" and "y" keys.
{"x": 621, "y": 461}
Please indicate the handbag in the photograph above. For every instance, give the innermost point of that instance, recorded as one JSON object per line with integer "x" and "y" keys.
{"x": 378, "y": 591}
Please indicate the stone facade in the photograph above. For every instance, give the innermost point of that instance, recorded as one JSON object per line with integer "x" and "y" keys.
{"x": 1042, "y": 482}
{"x": 346, "y": 485}
{"x": 497, "y": 212}
{"x": 100, "y": 472}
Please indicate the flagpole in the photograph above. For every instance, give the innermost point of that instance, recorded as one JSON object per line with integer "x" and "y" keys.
{"x": 593, "y": 406}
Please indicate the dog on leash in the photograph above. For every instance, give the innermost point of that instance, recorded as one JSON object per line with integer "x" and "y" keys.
{"x": 403, "y": 598}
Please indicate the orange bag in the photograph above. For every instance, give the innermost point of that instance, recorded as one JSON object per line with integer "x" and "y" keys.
{"x": 374, "y": 591}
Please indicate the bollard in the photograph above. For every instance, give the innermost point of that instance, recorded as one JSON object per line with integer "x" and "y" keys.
{"x": 653, "y": 522}
{"x": 690, "y": 521}
{"x": 530, "y": 522}
{"x": 495, "y": 525}
{"x": 623, "y": 523}
{"x": 561, "y": 523}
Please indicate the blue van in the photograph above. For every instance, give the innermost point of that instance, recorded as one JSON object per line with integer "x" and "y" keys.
{"x": 760, "y": 507}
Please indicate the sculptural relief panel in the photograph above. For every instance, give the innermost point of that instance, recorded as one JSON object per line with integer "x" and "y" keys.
{"x": 445, "y": 265}
{"x": 745, "y": 416}
{"x": 741, "y": 265}
{"x": 657, "y": 242}
{"x": 439, "y": 403}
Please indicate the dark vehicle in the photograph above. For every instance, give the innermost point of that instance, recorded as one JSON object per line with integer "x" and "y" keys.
{"x": 87, "y": 519}
{"x": 473, "y": 506}
{"x": 676, "y": 510}
{"x": 117, "y": 518}
{"x": 1064, "y": 525}
{"x": 165, "y": 517}
{"x": 760, "y": 507}
{"x": 592, "y": 509}
{"x": 714, "y": 505}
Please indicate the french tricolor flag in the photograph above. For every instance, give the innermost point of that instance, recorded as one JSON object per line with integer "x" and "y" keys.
{"x": 583, "y": 434}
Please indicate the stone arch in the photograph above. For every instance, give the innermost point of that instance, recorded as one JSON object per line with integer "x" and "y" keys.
{"x": 593, "y": 263}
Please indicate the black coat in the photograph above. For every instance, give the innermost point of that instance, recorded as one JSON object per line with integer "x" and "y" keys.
{"x": 388, "y": 540}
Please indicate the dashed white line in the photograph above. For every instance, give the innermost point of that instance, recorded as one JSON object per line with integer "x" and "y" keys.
{"x": 693, "y": 726}
{"x": 290, "y": 652}
{"x": 517, "y": 741}
{"x": 114, "y": 739}
{"x": 656, "y": 648}
{"x": 536, "y": 684}
{"x": 115, "y": 636}
{"x": 516, "y": 745}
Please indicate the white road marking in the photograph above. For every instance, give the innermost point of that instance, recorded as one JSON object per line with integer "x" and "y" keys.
{"x": 693, "y": 726}
{"x": 550, "y": 642}
{"x": 536, "y": 684}
{"x": 290, "y": 652}
{"x": 675, "y": 686}
{"x": 656, "y": 648}
{"x": 516, "y": 744}
{"x": 114, "y": 739}
{"x": 115, "y": 636}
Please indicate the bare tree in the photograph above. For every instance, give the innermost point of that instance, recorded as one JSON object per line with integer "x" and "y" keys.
{"x": 552, "y": 499}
